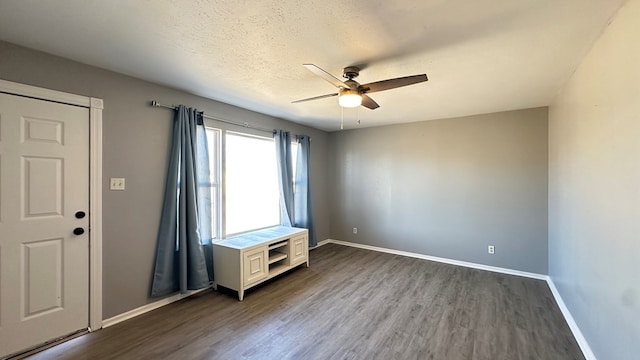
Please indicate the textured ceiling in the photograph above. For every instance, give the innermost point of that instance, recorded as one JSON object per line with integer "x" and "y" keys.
{"x": 480, "y": 56}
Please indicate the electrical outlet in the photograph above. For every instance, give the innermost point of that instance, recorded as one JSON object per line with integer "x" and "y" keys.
{"x": 116, "y": 184}
{"x": 491, "y": 249}
{"x": 355, "y": 230}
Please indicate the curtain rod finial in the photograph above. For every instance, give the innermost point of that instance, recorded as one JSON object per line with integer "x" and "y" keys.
{"x": 155, "y": 103}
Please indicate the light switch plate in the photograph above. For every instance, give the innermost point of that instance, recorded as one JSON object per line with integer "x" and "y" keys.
{"x": 116, "y": 184}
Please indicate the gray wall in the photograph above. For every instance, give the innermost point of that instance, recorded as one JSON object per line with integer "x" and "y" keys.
{"x": 136, "y": 138}
{"x": 447, "y": 188}
{"x": 594, "y": 191}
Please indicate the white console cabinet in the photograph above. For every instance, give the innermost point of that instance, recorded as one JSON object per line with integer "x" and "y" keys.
{"x": 246, "y": 260}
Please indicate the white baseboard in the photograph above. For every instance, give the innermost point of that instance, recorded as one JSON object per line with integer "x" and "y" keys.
{"x": 148, "y": 307}
{"x": 577, "y": 334}
{"x": 441, "y": 260}
{"x": 321, "y": 243}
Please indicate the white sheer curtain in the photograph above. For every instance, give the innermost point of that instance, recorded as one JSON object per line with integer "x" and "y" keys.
{"x": 285, "y": 176}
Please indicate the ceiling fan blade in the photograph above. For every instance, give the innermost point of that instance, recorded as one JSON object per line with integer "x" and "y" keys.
{"x": 325, "y": 75}
{"x": 393, "y": 83}
{"x": 315, "y": 98}
{"x": 369, "y": 103}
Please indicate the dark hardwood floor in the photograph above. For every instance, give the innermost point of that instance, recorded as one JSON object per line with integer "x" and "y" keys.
{"x": 350, "y": 304}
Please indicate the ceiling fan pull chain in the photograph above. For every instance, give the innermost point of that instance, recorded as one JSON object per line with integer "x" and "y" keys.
{"x": 342, "y": 118}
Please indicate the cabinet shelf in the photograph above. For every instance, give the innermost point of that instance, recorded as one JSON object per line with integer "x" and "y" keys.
{"x": 278, "y": 245}
{"x": 276, "y": 256}
{"x": 278, "y": 269}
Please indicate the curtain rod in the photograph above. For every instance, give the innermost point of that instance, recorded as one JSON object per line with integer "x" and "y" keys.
{"x": 244, "y": 124}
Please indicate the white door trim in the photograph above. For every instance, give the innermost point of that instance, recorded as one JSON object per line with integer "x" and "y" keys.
{"x": 95, "y": 107}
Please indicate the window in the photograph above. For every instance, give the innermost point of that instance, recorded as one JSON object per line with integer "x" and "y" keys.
{"x": 251, "y": 183}
{"x": 251, "y": 197}
{"x": 213, "y": 145}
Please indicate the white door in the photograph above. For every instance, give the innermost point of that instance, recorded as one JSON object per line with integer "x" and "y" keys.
{"x": 44, "y": 191}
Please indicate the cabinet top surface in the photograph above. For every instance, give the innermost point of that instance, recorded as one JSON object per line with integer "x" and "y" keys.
{"x": 259, "y": 237}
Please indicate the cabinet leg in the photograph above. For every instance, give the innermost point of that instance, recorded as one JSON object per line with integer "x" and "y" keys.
{"x": 240, "y": 295}
{"x": 307, "y": 262}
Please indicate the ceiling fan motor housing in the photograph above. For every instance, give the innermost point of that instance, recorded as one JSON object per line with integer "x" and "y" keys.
{"x": 351, "y": 72}
{"x": 353, "y": 85}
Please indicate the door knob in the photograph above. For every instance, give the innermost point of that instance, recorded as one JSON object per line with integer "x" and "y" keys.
{"x": 80, "y": 214}
{"x": 78, "y": 231}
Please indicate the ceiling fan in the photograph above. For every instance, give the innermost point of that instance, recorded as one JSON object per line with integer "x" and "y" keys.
{"x": 351, "y": 93}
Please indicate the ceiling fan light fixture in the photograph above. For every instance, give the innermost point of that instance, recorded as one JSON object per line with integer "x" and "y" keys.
{"x": 349, "y": 98}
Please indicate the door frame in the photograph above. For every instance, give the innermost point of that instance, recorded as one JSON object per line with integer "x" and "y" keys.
{"x": 95, "y": 106}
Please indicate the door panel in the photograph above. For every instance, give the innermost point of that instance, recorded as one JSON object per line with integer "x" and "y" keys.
{"x": 42, "y": 279}
{"x": 42, "y": 188}
{"x": 44, "y": 180}
{"x": 43, "y": 130}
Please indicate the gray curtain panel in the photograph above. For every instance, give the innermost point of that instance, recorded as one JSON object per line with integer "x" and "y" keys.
{"x": 285, "y": 175}
{"x": 183, "y": 254}
{"x": 303, "y": 215}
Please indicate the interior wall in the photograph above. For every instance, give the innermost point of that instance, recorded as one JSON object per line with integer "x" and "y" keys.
{"x": 136, "y": 144}
{"x": 594, "y": 190}
{"x": 446, "y": 188}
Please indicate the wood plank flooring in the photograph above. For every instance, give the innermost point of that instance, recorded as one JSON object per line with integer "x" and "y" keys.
{"x": 350, "y": 304}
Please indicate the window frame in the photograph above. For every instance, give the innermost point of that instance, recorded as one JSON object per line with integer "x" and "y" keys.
{"x": 215, "y": 180}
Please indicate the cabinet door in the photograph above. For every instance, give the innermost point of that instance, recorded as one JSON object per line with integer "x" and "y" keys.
{"x": 298, "y": 248}
{"x": 254, "y": 263}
